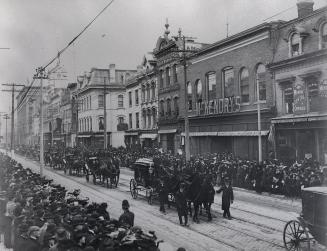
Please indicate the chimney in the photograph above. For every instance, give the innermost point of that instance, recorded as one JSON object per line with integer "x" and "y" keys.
{"x": 112, "y": 73}
{"x": 304, "y": 7}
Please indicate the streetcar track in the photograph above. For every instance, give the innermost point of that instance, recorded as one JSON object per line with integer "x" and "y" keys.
{"x": 103, "y": 196}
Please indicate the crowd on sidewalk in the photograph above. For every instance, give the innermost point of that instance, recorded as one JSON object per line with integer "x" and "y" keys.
{"x": 38, "y": 215}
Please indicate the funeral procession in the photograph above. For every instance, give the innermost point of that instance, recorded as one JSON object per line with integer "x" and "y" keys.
{"x": 163, "y": 125}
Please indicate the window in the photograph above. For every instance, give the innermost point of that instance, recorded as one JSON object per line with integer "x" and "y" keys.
{"x": 198, "y": 89}
{"x": 137, "y": 118}
{"x": 100, "y": 101}
{"x": 211, "y": 83}
{"x": 120, "y": 101}
{"x": 130, "y": 99}
{"x": 288, "y": 98}
{"x": 143, "y": 94}
{"x": 228, "y": 81}
{"x": 136, "y": 97}
{"x": 144, "y": 119}
{"x": 167, "y": 76}
{"x": 175, "y": 73}
{"x": 168, "y": 107}
{"x": 121, "y": 120}
{"x": 176, "y": 107}
{"x": 161, "y": 79}
{"x": 313, "y": 93}
{"x": 244, "y": 85}
{"x": 148, "y": 93}
{"x": 90, "y": 123}
{"x": 153, "y": 91}
{"x": 189, "y": 95}
{"x": 324, "y": 36}
{"x": 295, "y": 44}
{"x": 154, "y": 117}
{"x": 261, "y": 78}
{"x": 130, "y": 121}
{"x": 149, "y": 117}
{"x": 162, "y": 109}
{"x": 90, "y": 106}
{"x": 101, "y": 123}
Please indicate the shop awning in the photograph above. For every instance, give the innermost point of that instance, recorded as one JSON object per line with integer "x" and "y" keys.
{"x": 83, "y": 136}
{"x": 148, "y": 136}
{"x": 131, "y": 134}
{"x": 314, "y": 116}
{"x": 167, "y": 131}
{"x": 229, "y": 133}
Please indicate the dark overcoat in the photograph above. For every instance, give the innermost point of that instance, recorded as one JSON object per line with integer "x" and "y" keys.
{"x": 227, "y": 196}
{"x": 181, "y": 203}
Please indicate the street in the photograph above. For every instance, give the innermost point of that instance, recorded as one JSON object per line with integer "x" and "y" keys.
{"x": 257, "y": 224}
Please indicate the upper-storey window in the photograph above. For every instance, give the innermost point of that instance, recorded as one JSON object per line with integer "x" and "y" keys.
{"x": 288, "y": 98}
{"x": 175, "y": 73}
{"x": 228, "y": 81}
{"x": 136, "y": 97}
{"x": 167, "y": 76}
{"x": 153, "y": 88}
{"x": 148, "y": 89}
{"x": 100, "y": 101}
{"x": 130, "y": 102}
{"x": 120, "y": 101}
{"x": 324, "y": 36}
{"x": 244, "y": 85}
{"x": 295, "y": 44}
{"x": 189, "y": 96}
{"x": 198, "y": 89}
{"x": 211, "y": 85}
{"x": 161, "y": 78}
{"x": 261, "y": 78}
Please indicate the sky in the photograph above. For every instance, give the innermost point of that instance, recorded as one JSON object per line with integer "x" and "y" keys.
{"x": 35, "y": 30}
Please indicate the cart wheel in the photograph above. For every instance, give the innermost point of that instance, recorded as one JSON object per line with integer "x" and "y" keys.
{"x": 295, "y": 236}
{"x": 150, "y": 197}
{"x": 133, "y": 188}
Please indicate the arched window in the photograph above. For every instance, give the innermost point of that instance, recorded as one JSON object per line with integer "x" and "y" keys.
{"x": 244, "y": 85}
{"x": 261, "y": 78}
{"x": 189, "y": 95}
{"x": 161, "y": 83}
{"x": 154, "y": 117}
{"x": 295, "y": 44}
{"x": 211, "y": 85}
{"x": 167, "y": 76}
{"x": 144, "y": 118}
{"x": 153, "y": 90}
{"x": 121, "y": 101}
{"x": 143, "y": 93}
{"x": 90, "y": 123}
{"x": 175, "y": 73}
{"x": 148, "y": 92}
{"x": 149, "y": 117}
{"x": 228, "y": 82}
{"x": 323, "y": 36}
{"x": 168, "y": 107}
{"x": 176, "y": 107}
{"x": 162, "y": 109}
{"x": 198, "y": 89}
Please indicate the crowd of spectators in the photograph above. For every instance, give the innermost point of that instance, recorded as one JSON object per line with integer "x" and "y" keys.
{"x": 38, "y": 215}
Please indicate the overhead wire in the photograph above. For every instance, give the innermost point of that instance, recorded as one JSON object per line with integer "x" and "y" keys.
{"x": 63, "y": 50}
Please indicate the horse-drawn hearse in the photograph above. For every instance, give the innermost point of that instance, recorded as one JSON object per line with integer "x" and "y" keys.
{"x": 311, "y": 225}
{"x": 103, "y": 170}
{"x": 144, "y": 181}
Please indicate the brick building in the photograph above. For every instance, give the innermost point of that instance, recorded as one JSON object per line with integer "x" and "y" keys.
{"x": 299, "y": 69}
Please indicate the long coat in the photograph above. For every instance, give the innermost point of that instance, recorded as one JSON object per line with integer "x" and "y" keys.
{"x": 181, "y": 203}
{"x": 227, "y": 196}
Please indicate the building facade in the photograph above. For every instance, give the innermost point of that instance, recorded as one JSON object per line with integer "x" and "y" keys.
{"x": 300, "y": 74}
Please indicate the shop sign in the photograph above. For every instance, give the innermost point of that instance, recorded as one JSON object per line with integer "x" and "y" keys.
{"x": 323, "y": 89}
{"x": 300, "y": 104}
{"x": 219, "y": 106}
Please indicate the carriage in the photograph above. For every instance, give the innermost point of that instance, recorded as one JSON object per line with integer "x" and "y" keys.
{"x": 102, "y": 170}
{"x": 144, "y": 179}
{"x": 311, "y": 225}
{"x": 73, "y": 164}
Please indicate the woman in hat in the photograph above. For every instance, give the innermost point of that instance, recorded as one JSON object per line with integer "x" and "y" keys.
{"x": 227, "y": 197}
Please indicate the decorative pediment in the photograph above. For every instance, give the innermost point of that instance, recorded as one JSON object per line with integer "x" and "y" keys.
{"x": 319, "y": 23}
{"x": 299, "y": 29}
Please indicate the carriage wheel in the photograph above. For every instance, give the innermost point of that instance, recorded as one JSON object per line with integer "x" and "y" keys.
{"x": 133, "y": 188}
{"x": 295, "y": 236}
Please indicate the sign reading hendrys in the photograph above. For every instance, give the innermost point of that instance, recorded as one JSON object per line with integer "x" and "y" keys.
{"x": 219, "y": 106}
{"x": 300, "y": 105}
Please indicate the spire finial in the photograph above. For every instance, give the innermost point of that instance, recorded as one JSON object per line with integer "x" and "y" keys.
{"x": 167, "y": 26}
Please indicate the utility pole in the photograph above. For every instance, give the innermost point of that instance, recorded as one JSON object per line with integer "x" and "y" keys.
{"x": 105, "y": 137}
{"x": 6, "y": 117}
{"x": 41, "y": 75}
{"x": 12, "y": 113}
{"x": 1, "y": 126}
{"x": 259, "y": 121}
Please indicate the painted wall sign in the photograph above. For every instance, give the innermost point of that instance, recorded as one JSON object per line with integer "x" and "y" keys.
{"x": 300, "y": 104}
{"x": 219, "y": 106}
